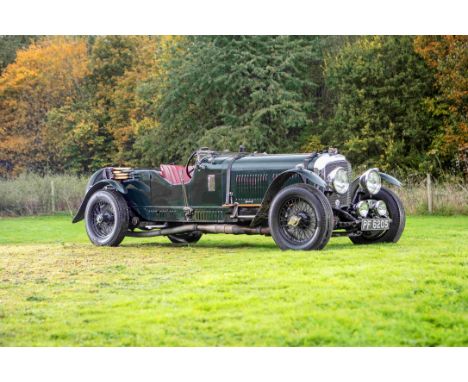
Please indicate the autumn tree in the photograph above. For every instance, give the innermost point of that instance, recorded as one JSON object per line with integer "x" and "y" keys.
{"x": 136, "y": 92}
{"x": 448, "y": 56}
{"x": 89, "y": 141}
{"x": 97, "y": 123}
{"x": 114, "y": 102}
{"x": 44, "y": 76}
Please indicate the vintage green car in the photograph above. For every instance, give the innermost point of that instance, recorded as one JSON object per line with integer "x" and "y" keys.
{"x": 301, "y": 200}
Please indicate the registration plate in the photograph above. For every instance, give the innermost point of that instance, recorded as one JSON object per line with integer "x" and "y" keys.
{"x": 375, "y": 224}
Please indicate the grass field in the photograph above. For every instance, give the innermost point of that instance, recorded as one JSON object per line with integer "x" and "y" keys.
{"x": 58, "y": 289}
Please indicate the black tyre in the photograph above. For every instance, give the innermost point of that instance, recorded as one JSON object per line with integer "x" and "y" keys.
{"x": 185, "y": 238}
{"x": 106, "y": 218}
{"x": 301, "y": 218}
{"x": 396, "y": 212}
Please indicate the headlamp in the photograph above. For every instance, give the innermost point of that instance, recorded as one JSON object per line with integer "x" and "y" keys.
{"x": 339, "y": 180}
{"x": 371, "y": 181}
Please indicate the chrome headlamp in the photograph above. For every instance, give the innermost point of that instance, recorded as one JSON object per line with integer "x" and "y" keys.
{"x": 381, "y": 208}
{"x": 362, "y": 208}
{"x": 371, "y": 181}
{"x": 338, "y": 178}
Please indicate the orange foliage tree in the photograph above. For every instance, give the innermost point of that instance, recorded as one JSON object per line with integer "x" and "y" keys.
{"x": 448, "y": 55}
{"x": 45, "y": 75}
{"x": 136, "y": 91}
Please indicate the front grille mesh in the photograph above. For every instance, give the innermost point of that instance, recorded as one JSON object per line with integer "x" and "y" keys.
{"x": 344, "y": 199}
{"x": 250, "y": 186}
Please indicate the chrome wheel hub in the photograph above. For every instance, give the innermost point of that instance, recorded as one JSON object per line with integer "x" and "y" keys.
{"x": 297, "y": 220}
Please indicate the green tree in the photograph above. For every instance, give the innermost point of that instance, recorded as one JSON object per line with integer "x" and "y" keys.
{"x": 220, "y": 91}
{"x": 9, "y": 45}
{"x": 378, "y": 87}
{"x": 81, "y": 144}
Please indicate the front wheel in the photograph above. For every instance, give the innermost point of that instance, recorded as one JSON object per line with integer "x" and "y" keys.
{"x": 396, "y": 212}
{"x": 106, "y": 218}
{"x": 301, "y": 218}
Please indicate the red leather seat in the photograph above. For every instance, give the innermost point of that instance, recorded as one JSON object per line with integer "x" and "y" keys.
{"x": 174, "y": 174}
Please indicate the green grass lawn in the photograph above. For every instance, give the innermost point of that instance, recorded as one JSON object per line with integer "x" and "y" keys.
{"x": 58, "y": 289}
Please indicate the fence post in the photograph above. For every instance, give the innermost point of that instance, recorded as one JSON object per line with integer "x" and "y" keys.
{"x": 429, "y": 193}
{"x": 52, "y": 195}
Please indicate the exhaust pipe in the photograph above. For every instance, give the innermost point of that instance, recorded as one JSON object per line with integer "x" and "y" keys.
{"x": 233, "y": 229}
{"x": 207, "y": 228}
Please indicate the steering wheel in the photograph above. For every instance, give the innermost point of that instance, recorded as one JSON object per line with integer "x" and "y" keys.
{"x": 189, "y": 171}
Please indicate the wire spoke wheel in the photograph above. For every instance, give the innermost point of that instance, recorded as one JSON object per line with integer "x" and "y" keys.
{"x": 106, "y": 218}
{"x": 103, "y": 218}
{"x": 300, "y": 218}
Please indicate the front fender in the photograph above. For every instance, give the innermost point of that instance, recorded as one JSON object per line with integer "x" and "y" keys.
{"x": 106, "y": 183}
{"x": 390, "y": 179}
{"x": 285, "y": 175}
{"x": 278, "y": 182}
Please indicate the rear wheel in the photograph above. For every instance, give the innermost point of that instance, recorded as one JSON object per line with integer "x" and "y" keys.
{"x": 301, "y": 218}
{"x": 185, "y": 238}
{"x": 396, "y": 212}
{"x": 106, "y": 218}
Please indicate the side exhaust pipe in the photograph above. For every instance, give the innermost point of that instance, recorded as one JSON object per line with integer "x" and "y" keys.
{"x": 208, "y": 228}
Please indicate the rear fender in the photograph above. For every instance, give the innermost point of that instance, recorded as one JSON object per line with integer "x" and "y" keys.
{"x": 107, "y": 183}
{"x": 276, "y": 185}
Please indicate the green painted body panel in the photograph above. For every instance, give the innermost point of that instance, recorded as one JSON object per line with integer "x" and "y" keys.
{"x": 154, "y": 199}
{"x": 252, "y": 175}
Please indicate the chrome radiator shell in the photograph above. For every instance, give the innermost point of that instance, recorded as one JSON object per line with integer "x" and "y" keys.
{"x": 324, "y": 165}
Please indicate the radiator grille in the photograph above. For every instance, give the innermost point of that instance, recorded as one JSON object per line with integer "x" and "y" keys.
{"x": 251, "y": 186}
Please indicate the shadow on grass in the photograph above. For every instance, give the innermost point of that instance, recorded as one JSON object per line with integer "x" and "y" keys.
{"x": 219, "y": 245}
{"x": 270, "y": 245}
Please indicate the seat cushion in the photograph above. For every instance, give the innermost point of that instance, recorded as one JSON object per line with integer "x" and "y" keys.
{"x": 174, "y": 174}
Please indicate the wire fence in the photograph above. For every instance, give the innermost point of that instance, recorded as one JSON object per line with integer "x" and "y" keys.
{"x": 32, "y": 194}
{"x": 432, "y": 197}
